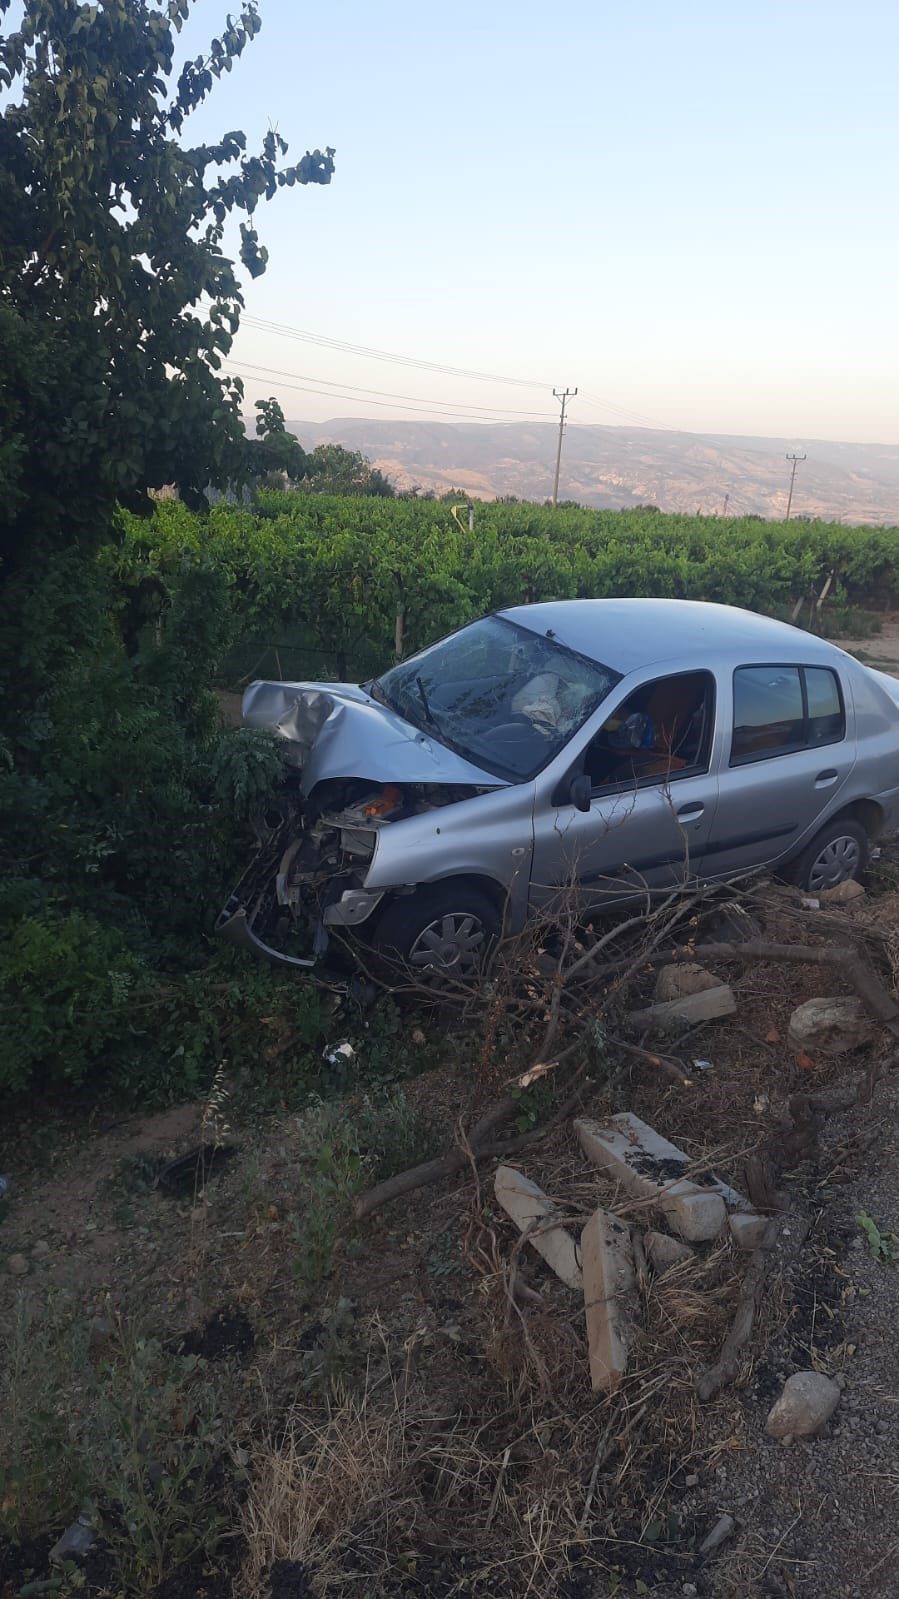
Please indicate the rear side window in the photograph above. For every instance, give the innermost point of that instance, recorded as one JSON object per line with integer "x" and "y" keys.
{"x": 782, "y": 708}
{"x": 825, "y": 707}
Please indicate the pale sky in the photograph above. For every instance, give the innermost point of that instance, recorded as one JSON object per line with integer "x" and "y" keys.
{"x": 688, "y": 210}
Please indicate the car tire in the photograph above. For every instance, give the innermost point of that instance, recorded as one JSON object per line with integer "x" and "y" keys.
{"x": 835, "y": 855}
{"x": 443, "y": 934}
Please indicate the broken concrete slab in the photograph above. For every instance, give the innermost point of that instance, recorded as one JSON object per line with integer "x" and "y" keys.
{"x": 665, "y": 1251}
{"x": 808, "y": 1400}
{"x": 706, "y": 1006}
{"x": 673, "y": 982}
{"x": 648, "y": 1166}
{"x": 609, "y": 1298}
{"x": 829, "y": 1026}
{"x": 528, "y": 1206}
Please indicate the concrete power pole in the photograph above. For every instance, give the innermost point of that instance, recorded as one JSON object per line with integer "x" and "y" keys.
{"x": 795, "y": 460}
{"x": 563, "y": 395}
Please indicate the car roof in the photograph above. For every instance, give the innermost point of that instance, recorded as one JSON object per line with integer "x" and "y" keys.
{"x": 630, "y": 634}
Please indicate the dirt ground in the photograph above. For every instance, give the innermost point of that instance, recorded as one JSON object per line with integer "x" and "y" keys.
{"x": 393, "y": 1422}
{"x": 881, "y": 650}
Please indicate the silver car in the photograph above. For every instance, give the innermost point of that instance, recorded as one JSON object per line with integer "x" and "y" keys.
{"x": 605, "y": 749}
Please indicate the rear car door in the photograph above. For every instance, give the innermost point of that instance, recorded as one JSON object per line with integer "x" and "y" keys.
{"x": 791, "y": 752}
{"x": 652, "y": 797}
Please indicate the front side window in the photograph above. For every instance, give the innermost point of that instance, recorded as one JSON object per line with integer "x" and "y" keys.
{"x": 779, "y": 709}
{"x": 660, "y": 732}
{"x": 498, "y": 694}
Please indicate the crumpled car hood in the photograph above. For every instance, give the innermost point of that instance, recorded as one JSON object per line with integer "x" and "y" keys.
{"x": 337, "y": 730}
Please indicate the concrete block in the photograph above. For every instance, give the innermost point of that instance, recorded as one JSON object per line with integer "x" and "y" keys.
{"x": 527, "y": 1204}
{"x": 747, "y": 1228}
{"x": 609, "y": 1298}
{"x": 689, "y": 1009}
{"x": 647, "y": 1166}
{"x": 665, "y": 1251}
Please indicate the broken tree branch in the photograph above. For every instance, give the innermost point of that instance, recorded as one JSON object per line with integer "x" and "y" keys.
{"x": 866, "y": 983}
{"x": 783, "y": 1238}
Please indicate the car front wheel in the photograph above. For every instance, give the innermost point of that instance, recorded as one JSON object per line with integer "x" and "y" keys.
{"x": 444, "y": 934}
{"x": 837, "y": 854}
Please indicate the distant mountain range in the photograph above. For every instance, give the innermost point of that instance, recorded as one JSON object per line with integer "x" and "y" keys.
{"x": 616, "y": 466}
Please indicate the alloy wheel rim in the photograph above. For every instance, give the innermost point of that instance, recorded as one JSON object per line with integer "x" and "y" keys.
{"x": 452, "y": 944}
{"x": 838, "y": 861}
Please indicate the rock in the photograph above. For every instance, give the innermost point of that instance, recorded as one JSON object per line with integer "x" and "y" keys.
{"x": 722, "y": 1530}
{"x": 665, "y": 1251}
{"x": 99, "y": 1334}
{"x": 690, "y": 1009}
{"x": 17, "y": 1265}
{"x": 526, "y": 1204}
{"x": 830, "y": 1026}
{"x": 647, "y": 1166}
{"x": 75, "y": 1541}
{"x": 842, "y": 894}
{"x": 693, "y": 1480}
{"x": 41, "y": 1250}
{"x": 673, "y": 982}
{"x": 609, "y": 1298}
{"x": 809, "y": 1399}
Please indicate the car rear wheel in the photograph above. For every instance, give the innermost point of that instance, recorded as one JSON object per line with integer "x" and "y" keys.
{"x": 839, "y": 853}
{"x": 443, "y": 935}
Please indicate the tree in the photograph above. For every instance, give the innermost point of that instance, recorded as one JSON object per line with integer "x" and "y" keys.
{"x": 117, "y": 302}
{"x": 275, "y": 451}
{"x": 333, "y": 469}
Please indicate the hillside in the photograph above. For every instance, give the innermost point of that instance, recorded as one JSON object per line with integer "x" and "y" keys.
{"x": 616, "y": 467}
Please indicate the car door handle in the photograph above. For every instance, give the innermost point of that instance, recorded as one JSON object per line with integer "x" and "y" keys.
{"x": 825, "y": 779}
{"x": 690, "y": 813}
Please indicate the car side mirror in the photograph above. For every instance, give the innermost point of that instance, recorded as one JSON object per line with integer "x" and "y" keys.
{"x": 579, "y": 792}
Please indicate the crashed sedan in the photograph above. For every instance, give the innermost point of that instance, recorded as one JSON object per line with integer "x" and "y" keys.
{"x": 604, "y": 750}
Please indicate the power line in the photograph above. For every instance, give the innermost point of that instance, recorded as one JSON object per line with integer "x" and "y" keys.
{"x": 563, "y": 396}
{"x": 388, "y": 394}
{"x": 434, "y": 410}
{"x": 369, "y": 353}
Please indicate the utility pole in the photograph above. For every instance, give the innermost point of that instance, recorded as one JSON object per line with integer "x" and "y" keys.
{"x": 563, "y": 396}
{"x": 795, "y": 460}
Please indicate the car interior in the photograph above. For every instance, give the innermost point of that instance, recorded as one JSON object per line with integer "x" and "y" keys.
{"x": 662, "y": 729}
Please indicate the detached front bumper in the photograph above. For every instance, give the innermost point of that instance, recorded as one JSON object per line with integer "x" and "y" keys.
{"x": 264, "y": 912}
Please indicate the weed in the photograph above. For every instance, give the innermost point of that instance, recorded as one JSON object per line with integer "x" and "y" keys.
{"x": 883, "y": 1246}
{"x": 344, "y": 1155}
{"x": 134, "y": 1441}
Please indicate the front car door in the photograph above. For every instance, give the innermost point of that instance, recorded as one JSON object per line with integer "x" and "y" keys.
{"x": 652, "y": 796}
{"x": 791, "y": 753}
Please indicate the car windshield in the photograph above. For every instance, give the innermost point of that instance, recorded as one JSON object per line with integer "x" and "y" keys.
{"x": 503, "y": 697}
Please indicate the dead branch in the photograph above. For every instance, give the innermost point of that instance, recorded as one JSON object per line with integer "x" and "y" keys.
{"x": 472, "y": 1148}
{"x": 784, "y": 1236}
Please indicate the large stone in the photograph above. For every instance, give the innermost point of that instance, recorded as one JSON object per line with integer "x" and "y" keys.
{"x": 809, "y": 1399}
{"x": 647, "y": 1167}
{"x": 609, "y": 1298}
{"x": 830, "y": 1026}
{"x": 665, "y": 1251}
{"x": 673, "y": 982}
{"x": 705, "y": 1006}
{"x": 746, "y": 1226}
{"x": 842, "y": 894}
{"x": 18, "y": 1265}
{"x": 528, "y": 1207}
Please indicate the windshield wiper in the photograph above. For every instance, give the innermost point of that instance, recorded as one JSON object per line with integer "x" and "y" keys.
{"x": 424, "y": 701}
